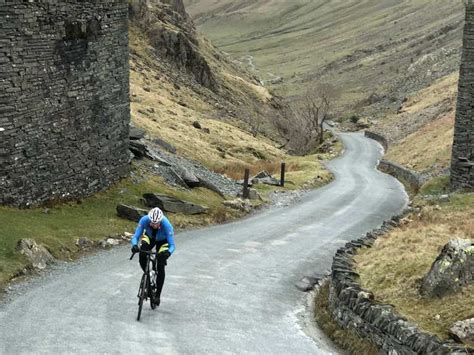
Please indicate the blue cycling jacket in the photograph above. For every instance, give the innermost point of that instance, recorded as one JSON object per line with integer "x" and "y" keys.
{"x": 164, "y": 232}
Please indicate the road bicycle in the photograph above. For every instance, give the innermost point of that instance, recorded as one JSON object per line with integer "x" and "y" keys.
{"x": 147, "y": 287}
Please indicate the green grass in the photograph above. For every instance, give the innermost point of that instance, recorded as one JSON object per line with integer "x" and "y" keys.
{"x": 436, "y": 186}
{"x": 94, "y": 217}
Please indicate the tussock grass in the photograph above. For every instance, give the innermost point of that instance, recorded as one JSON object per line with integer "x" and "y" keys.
{"x": 393, "y": 268}
{"x": 236, "y": 170}
{"x": 344, "y": 338}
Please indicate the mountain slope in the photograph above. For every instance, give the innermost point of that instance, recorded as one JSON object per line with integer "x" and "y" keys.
{"x": 385, "y": 47}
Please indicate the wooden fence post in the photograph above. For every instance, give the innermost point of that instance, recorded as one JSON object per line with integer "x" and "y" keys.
{"x": 282, "y": 175}
{"x": 246, "y": 192}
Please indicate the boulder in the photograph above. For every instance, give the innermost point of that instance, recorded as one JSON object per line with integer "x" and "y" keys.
{"x": 307, "y": 283}
{"x": 197, "y": 125}
{"x": 136, "y": 133}
{"x": 165, "y": 145}
{"x": 262, "y": 174}
{"x": 462, "y": 331}
{"x": 38, "y": 255}
{"x": 451, "y": 270}
{"x": 203, "y": 182}
{"x": 173, "y": 204}
{"x": 130, "y": 212}
{"x": 189, "y": 178}
{"x": 254, "y": 195}
{"x": 141, "y": 150}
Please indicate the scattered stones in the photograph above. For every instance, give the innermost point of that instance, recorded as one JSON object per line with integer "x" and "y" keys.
{"x": 462, "y": 331}
{"x": 130, "y": 212}
{"x": 452, "y": 269}
{"x": 238, "y": 204}
{"x": 173, "y": 204}
{"x": 38, "y": 255}
{"x": 84, "y": 243}
{"x": 197, "y": 125}
{"x": 109, "y": 243}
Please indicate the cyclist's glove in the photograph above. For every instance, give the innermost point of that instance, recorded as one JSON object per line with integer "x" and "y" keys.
{"x": 135, "y": 249}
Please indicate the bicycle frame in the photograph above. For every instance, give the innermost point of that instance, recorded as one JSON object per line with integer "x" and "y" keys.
{"x": 145, "y": 284}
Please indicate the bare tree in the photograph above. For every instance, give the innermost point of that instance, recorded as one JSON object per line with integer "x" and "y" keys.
{"x": 314, "y": 110}
{"x": 302, "y": 123}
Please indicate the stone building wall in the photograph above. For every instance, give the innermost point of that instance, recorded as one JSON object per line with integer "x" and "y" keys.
{"x": 64, "y": 98}
{"x": 462, "y": 165}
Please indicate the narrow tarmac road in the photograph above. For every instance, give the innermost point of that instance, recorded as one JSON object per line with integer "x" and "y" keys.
{"x": 229, "y": 289}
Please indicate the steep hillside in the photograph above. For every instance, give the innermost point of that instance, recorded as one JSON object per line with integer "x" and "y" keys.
{"x": 178, "y": 77}
{"x": 374, "y": 52}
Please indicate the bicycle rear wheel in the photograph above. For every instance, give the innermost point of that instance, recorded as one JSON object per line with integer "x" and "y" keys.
{"x": 142, "y": 293}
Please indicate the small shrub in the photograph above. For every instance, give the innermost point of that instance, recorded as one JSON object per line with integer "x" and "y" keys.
{"x": 354, "y": 119}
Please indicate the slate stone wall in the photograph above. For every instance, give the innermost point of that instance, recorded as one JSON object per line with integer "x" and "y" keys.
{"x": 64, "y": 98}
{"x": 462, "y": 164}
{"x": 354, "y": 308}
{"x": 414, "y": 180}
{"x": 379, "y": 138}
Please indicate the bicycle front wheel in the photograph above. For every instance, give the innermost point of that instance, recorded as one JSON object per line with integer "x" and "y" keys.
{"x": 142, "y": 293}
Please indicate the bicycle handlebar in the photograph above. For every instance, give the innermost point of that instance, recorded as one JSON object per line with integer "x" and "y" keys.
{"x": 146, "y": 252}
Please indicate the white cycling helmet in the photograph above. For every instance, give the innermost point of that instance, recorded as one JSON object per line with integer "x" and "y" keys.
{"x": 156, "y": 215}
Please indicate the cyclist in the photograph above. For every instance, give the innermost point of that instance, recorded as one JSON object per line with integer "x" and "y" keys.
{"x": 159, "y": 233}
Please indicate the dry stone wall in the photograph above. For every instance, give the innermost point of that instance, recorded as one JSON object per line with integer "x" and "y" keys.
{"x": 462, "y": 164}
{"x": 64, "y": 98}
{"x": 355, "y": 308}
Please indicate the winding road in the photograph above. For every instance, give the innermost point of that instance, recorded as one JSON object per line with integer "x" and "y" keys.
{"x": 229, "y": 289}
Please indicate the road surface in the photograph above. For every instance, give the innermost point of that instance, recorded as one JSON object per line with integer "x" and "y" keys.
{"x": 229, "y": 289}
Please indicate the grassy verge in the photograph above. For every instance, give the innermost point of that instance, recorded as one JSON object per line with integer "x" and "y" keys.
{"x": 58, "y": 227}
{"x": 346, "y": 339}
{"x": 393, "y": 268}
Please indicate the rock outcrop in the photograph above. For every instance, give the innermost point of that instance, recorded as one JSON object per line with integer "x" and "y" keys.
{"x": 173, "y": 35}
{"x": 452, "y": 269}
